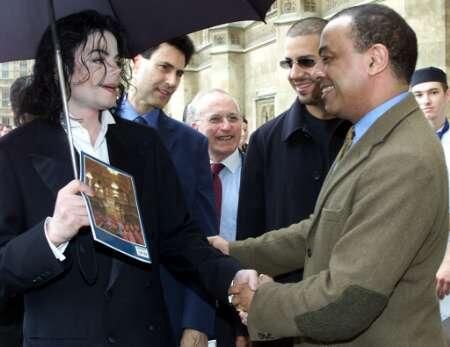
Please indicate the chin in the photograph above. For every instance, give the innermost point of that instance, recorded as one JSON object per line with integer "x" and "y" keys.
{"x": 330, "y": 109}
{"x": 305, "y": 99}
{"x": 109, "y": 105}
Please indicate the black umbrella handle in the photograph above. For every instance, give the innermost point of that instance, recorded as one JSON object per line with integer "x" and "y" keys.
{"x": 62, "y": 84}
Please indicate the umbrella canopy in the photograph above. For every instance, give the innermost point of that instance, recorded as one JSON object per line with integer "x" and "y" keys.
{"x": 146, "y": 22}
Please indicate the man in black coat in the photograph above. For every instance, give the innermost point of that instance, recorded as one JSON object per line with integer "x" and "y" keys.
{"x": 289, "y": 157}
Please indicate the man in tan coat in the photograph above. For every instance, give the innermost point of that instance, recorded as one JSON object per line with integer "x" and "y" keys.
{"x": 379, "y": 229}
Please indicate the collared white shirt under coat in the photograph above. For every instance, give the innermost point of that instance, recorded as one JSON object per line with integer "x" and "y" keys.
{"x": 82, "y": 142}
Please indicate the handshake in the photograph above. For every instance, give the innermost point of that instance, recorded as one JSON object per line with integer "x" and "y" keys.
{"x": 244, "y": 284}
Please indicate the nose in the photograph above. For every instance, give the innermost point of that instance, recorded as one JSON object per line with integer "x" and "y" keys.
{"x": 114, "y": 67}
{"x": 226, "y": 124}
{"x": 172, "y": 79}
{"x": 317, "y": 71}
{"x": 295, "y": 71}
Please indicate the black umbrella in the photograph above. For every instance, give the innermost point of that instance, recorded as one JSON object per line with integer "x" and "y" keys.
{"x": 146, "y": 22}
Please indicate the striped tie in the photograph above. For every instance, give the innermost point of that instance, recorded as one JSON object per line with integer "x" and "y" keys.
{"x": 347, "y": 143}
{"x": 345, "y": 147}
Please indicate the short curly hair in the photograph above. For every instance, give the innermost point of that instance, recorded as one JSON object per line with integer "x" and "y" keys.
{"x": 374, "y": 23}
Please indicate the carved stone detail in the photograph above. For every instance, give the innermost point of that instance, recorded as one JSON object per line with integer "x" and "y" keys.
{"x": 288, "y": 6}
{"x": 309, "y": 6}
{"x": 219, "y": 39}
{"x": 264, "y": 110}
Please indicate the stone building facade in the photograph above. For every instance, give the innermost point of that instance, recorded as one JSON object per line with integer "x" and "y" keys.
{"x": 243, "y": 57}
{"x": 8, "y": 74}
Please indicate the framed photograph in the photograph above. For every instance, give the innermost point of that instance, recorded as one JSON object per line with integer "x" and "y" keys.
{"x": 113, "y": 210}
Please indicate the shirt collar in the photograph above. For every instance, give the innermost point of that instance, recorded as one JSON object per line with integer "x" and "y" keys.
{"x": 128, "y": 112}
{"x": 80, "y": 134}
{"x": 295, "y": 120}
{"x": 233, "y": 161}
{"x": 440, "y": 132}
{"x": 371, "y": 117}
{"x": 106, "y": 118}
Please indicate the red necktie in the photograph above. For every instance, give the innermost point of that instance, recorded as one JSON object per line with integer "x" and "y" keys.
{"x": 217, "y": 187}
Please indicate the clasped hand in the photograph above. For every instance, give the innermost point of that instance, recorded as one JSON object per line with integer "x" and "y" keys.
{"x": 244, "y": 284}
{"x": 241, "y": 292}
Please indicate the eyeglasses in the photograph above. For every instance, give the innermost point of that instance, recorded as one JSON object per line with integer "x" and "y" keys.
{"x": 303, "y": 62}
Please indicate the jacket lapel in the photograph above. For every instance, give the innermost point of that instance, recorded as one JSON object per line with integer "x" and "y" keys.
{"x": 53, "y": 172}
{"x": 166, "y": 131}
{"x": 361, "y": 150}
{"x": 51, "y": 159}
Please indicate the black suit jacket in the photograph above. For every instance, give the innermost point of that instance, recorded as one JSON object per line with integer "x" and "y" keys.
{"x": 188, "y": 149}
{"x": 96, "y": 296}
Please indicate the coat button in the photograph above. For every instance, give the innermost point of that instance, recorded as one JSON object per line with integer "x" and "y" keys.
{"x": 309, "y": 252}
{"x": 316, "y": 175}
{"x": 151, "y": 327}
{"x": 37, "y": 280}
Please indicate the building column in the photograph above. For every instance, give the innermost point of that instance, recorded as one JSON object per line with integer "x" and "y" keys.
{"x": 227, "y": 61}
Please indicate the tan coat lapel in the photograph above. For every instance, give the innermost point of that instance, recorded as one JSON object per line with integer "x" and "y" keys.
{"x": 361, "y": 150}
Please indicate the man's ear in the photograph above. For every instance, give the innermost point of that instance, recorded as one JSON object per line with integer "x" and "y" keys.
{"x": 136, "y": 62}
{"x": 447, "y": 94}
{"x": 377, "y": 59}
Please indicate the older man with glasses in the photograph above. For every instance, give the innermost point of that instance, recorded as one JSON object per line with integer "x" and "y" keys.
{"x": 289, "y": 157}
{"x": 216, "y": 115}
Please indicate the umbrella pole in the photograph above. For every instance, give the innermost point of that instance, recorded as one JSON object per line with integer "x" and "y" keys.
{"x": 62, "y": 85}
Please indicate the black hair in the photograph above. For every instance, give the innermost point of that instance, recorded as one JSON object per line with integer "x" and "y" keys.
{"x": 372, "y": 24}
{"x": 183, "y": 43}
{"x": 16, "y": 92}
{"x": 43, "y": 98}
